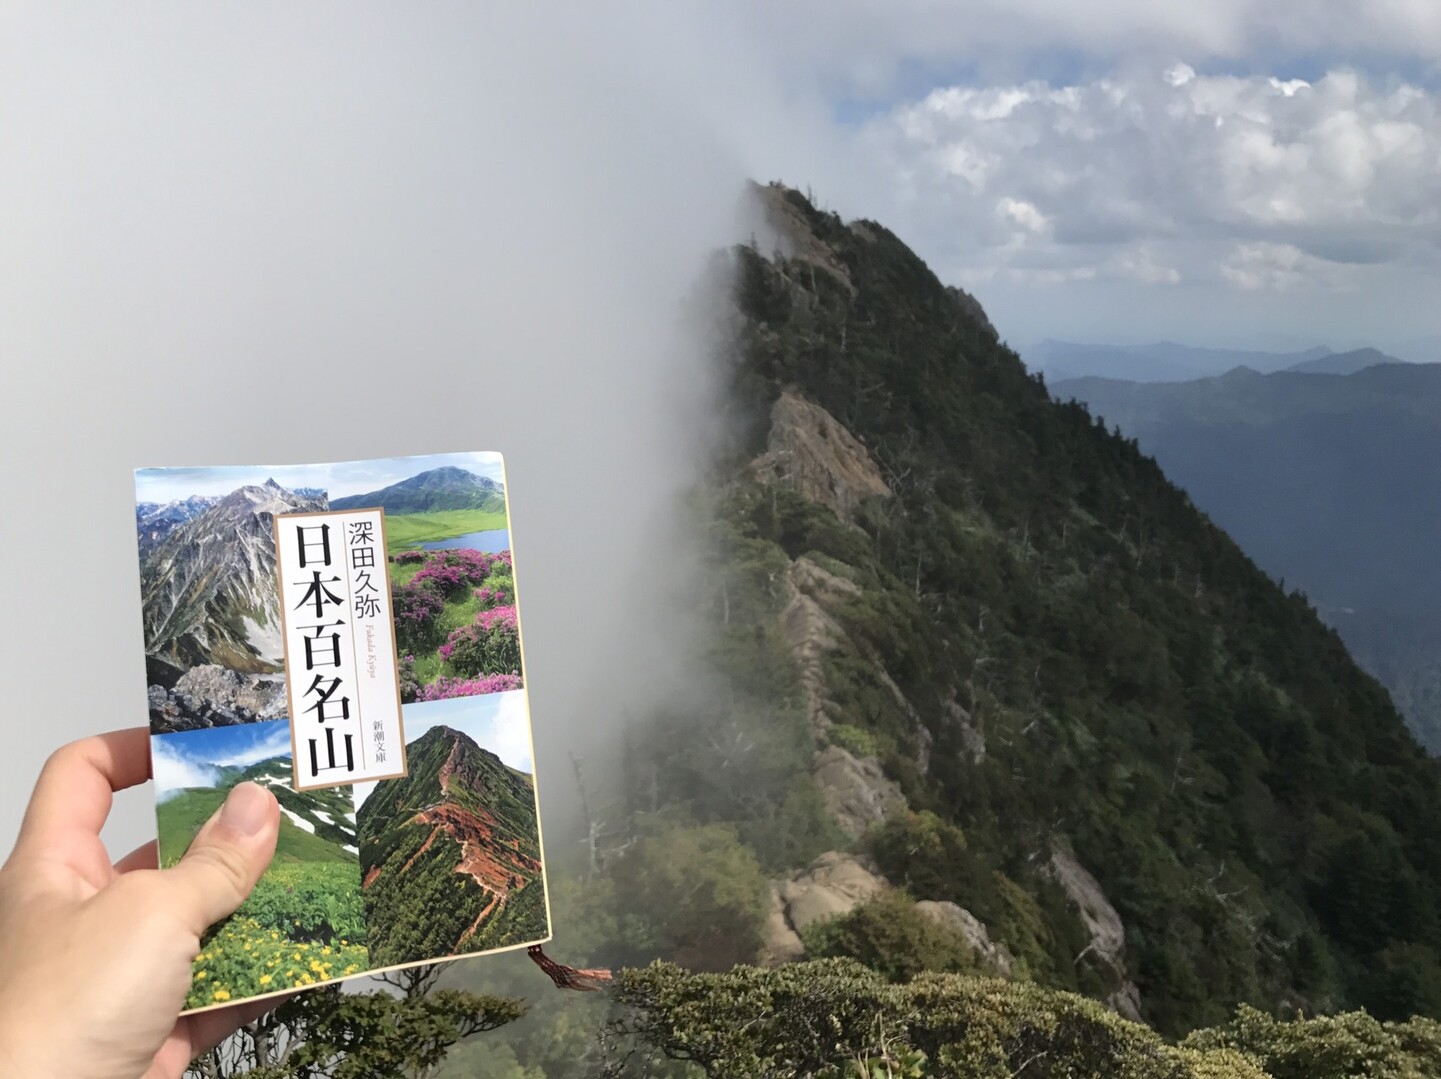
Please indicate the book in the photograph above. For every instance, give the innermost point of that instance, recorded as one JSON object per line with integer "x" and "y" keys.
{"x": 348, "y": 635}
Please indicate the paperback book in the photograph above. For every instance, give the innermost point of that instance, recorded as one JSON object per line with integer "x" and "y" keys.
{"x": 347, "y": 635}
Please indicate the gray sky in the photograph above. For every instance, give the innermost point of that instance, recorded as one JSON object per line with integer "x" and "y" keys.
{"x": 275, "y": 232}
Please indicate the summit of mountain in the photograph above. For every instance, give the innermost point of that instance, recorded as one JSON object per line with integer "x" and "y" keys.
{"x": 447, "y": 488}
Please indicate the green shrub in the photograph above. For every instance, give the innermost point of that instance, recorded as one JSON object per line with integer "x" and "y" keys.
{"x": 859, "y": 742}
{"x": 700, "y": 891}
{"x": 821, "y": 1018}
{"x": 1353, "y": 1045}
{"x": 890, "y": 936}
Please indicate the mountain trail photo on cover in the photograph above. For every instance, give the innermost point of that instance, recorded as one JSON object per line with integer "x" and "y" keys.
{"x": 450, "y": 854}
{"x": 305, "y": 922}
{"x": 211, "y": 607}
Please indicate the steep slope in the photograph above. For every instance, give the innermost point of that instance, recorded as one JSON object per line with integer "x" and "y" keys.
{"x": 1121, "y": 734}
{"x": 1331, "y": 483}
{"x": 208, "y": 590}
{"x": 447, "y": 488}
{"x": 450, "y": 853}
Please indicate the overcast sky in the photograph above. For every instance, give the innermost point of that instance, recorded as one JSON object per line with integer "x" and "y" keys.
{"x": 239, "y": 232}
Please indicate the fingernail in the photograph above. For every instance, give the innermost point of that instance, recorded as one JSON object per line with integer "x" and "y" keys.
{"x": 247, "y": 809}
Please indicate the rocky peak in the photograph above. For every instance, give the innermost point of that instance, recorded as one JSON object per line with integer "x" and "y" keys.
{"x": 972, "y": 309}
{"x": 792, "y": 234}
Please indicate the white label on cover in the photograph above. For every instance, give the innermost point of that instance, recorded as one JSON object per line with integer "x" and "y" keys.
{"x": 341, "y": 671}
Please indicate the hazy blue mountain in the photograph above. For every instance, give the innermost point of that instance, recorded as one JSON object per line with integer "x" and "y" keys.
{"x": 1344, "y": 363}
{"x": 1163, "y": 361}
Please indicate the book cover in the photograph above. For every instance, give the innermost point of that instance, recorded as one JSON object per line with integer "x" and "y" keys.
{"x": 348, "y": 635}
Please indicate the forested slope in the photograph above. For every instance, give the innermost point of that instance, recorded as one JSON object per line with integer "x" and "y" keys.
{"x": 980, "y": 650}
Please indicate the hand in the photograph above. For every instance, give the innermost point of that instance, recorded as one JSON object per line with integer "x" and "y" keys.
{"x": 95, "y": 959}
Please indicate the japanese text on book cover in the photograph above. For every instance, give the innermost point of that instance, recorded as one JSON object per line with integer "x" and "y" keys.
{"x": 347, "y": 635}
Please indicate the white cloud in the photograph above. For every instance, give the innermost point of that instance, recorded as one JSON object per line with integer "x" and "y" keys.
{"x": 1022, "y": 213}
{"x": 174, "y": 771}
{"x": 1255, "y": 181}
{"x": 1263, "y": 265}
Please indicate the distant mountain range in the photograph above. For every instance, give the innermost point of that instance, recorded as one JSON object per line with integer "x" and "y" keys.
{"x": 1167, "y": 361}
{"x": 1332, "y": 483}
{"x": 446, "y": 488}
{"x": 450, "y": 853}
{"x": 156, "y": 520}
{"x": 208, "y": 590}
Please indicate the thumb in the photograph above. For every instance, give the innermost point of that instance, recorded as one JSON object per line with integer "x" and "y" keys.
{"x": 227, "y": 857}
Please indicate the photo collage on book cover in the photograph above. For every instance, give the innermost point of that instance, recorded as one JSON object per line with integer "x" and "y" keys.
{"x": 443, "y": 861}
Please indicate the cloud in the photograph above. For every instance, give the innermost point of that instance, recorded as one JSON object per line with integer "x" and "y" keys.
{"x": 461, "y": 226}
{"x": 877, "y": 48}
{"x": 173, "y": 770}
{"x": 195, "y": 758}
{"x": 1170, "y": 175}
{"x": 271, "y": 233}
{"x": 1255, "y": 266}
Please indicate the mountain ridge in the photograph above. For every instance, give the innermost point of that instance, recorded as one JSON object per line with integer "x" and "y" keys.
{"x": 1047, "y": 646}
{"x": 460, "y": 824}
{"x": 446, "y": 488}
{"x": 1170, "y": 361}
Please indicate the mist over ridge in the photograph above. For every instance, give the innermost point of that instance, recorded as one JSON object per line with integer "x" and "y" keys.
{"x": 420, "y": 232}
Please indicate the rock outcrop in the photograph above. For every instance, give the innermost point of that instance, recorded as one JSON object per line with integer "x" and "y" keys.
{"x": 810, "y": 450}
{"x": 1108, "y": 932}
{"x": 214, "y": 696}
{"x": 781, "y": 943}
{"x": 995, "y": 954}
{"x": 813, "y": 633}
{"x": 794, "y": 237}
{"x": 836, "y": 884}
{"x": 971, "y": 738}
{"x": 831, "y": 887}
{"x": 972, "y": 309}
{"x": 856, "y": 790}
